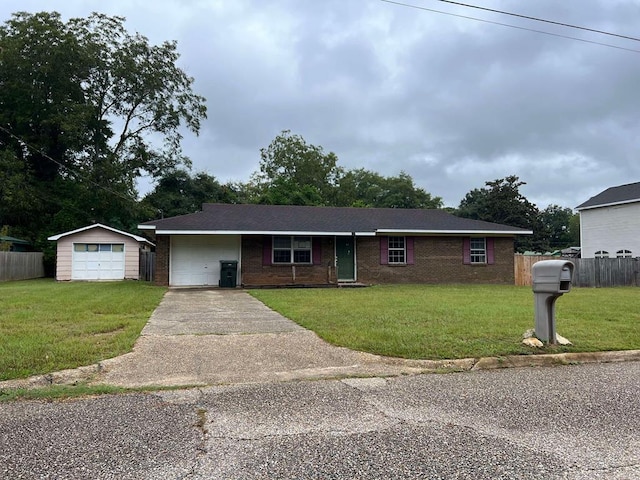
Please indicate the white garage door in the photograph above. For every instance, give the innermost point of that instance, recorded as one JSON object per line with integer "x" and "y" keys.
{"x": 195, "y": 259}
{"x": 98, "y": 261}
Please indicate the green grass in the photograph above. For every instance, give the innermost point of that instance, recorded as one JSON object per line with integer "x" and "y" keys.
{"x": 47, "y": 326}
{"x": 458, "y": 321}
{"x": 63, "y": 392}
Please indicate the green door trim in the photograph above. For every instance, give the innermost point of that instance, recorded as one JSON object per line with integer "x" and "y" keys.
{"x": 346, "y": 257}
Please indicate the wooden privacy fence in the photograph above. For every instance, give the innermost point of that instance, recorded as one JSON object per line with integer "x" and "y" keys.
{"x": 21, "y": 265}
{"x": 588, "y": 272}
{"x": 147, "y": 266}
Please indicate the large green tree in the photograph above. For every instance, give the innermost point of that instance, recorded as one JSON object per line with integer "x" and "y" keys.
{"x": 85, "y": 108}
{"x": 364, "y": 188}
{"x": 562, "y": 225}
{"x": 294, "y": 172}
{"x": 500, "y": 201}
{"x": 178, "y": 193}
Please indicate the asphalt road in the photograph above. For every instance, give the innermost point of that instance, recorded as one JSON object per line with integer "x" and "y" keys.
{"x": 569, "y": 422}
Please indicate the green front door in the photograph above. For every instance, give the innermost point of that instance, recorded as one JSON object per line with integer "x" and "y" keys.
{"x": 345, "y": 250}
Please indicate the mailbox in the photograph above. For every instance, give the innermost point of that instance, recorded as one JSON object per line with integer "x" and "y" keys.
{"x": 552, "y": 276}
{"x": 550, "y": 279}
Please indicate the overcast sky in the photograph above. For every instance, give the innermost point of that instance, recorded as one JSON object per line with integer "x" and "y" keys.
{"x": 452, "y": 101}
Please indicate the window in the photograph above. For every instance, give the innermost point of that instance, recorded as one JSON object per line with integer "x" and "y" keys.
{"x": 624, "y": 254}
{"x": 601, "y": 254}
{"x": 478, "y": 250}
{"x": 397, "y": 250}
{"x": 292, "y": 250}
{"x": 98, "y": 247}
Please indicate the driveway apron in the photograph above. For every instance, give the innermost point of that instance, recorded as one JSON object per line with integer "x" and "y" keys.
{"x": 213, "y": 337}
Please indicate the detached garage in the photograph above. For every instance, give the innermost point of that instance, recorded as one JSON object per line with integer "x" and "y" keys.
{"x": 98, "y": 252}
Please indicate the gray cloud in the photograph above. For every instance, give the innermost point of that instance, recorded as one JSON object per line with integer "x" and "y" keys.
{"x": 451, "y": 101}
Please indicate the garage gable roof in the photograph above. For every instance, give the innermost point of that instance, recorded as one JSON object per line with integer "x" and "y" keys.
{"x": 287, "y": 219}
{"x": 99, "y": 225}
{"x": 628, "y": 193}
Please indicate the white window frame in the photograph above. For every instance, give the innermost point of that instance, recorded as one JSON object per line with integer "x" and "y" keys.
{"x": 601, "y": 254}
{"x": 294, "y": 247}
{"x": 624, "y": 253}
{"x": 396, "y": 253}
{"x": 478, "y": 250}
{"x": 98, "y": 247}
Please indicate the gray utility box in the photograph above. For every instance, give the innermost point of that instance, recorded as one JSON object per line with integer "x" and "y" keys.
{"x": 228, "y": 273}
{"x": 550, "y": 279}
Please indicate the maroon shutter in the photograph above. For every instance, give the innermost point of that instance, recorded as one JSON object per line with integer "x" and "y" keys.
{"x": 490, "y": 251}
{"x": 409, "y": 241}
{"x": 466, "y": 251}
{"x": 266, "y": 250}
{"x": 384, "y": 250}
{"x": 316, "y": 246}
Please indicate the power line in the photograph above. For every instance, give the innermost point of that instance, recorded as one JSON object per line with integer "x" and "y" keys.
{"x": 510, "y": 26}
{"x": 541, "y": 20}
{"x": 65, "y": 167}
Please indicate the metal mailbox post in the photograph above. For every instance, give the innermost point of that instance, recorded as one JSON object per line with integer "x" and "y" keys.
{"x": 551, "y": 279}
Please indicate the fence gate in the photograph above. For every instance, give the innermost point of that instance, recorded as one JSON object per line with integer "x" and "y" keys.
{"x": 147, "y": 266}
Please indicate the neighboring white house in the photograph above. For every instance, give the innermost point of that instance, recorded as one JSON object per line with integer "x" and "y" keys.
{"x": 610, "y": 223}
{"x": 98, "y": 252}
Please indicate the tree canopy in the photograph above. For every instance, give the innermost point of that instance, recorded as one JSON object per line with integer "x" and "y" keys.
{"x": 293, "y": 172}
{"x": 500, "y": 201}
{"x": 81, "y": 103}
{"x": 364, "y": 188}
{"x": 179, "y": 193}
{"x": 562, "y": 226}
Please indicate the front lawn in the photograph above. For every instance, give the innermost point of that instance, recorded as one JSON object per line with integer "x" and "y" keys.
{"x": 458, "y": 321}
{"x": 47, "y": 326}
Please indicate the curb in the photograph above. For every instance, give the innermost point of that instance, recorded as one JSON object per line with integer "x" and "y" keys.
{"x": 405, "y": 366}
{"x": 554, "y": 359}
{"x": 72, "y": 376}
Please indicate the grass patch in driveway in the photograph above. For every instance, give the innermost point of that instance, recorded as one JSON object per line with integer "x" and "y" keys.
{"x": 47, "y": 326}
{"x": 458, "y": 321}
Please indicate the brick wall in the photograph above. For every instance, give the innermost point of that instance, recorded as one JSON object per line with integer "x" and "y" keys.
{"x": 436, "y": 260}
{"x": 255, "y": 273}
{"x": 161, "y": 276}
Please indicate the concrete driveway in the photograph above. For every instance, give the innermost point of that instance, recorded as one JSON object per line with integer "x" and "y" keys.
{"x": 213, "y": 337}
{"x": 220, "y": 337}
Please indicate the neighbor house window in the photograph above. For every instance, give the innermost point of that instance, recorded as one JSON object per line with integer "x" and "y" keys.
{"x": 478, "y": 247}
{"x": 624, "y": 254}
{"x": 601, "y": 254}
{"x": 98, "y": 247}
{"x": 397, "y": 250}
{"x": 292, "y": 249}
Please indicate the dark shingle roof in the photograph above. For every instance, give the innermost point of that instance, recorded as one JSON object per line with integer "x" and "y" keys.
{"x": 285, "y": 218}
{"x": 620, "y": 194}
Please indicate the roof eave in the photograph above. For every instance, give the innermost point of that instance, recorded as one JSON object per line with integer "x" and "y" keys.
{"x": 509, "y": 233}
{"x": 610, "y": 204}
{"x": 386, "y": 231}
{"x": 262, "y": 232}
{"x": 98, "y": 225}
